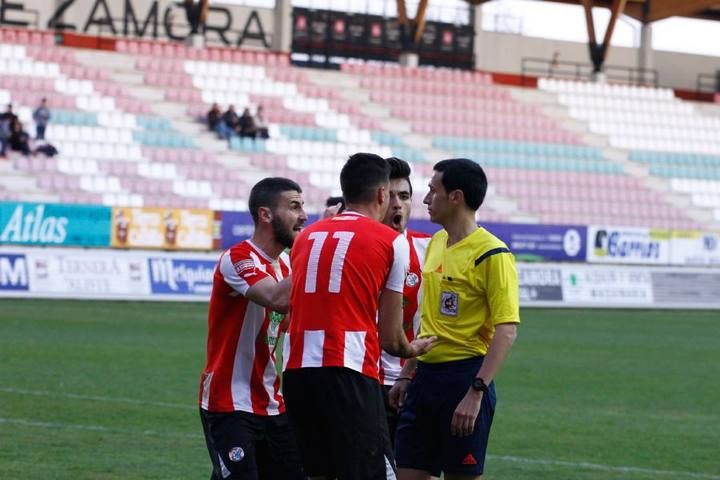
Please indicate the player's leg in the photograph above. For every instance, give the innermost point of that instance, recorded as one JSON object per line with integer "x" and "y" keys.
{"x": 416, "y": 442}
{"x": 357, "y": 427}
{"x": 305, "y": 406}
{"x": 282, "y": 461}
{"x": 233, "y": 437}
{"x": 391, "y": 414}
{"x": 212, "y": 451}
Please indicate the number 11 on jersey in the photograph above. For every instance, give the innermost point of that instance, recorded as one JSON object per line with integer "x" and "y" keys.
{"x": 336, "y": 266}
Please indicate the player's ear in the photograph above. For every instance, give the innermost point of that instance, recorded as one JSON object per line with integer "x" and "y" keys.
{"x": 382, "y": 195}
{"x": 265, "y": 214}
{"x": 457, "y": 196}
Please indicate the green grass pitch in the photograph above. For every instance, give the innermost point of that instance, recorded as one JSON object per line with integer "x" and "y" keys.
{"x": 108, "y": 390}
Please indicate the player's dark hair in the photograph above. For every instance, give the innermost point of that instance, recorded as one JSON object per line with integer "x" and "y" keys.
{"x": 362, "y": 174}
{"x": 464, "y": 175}
{"x": 332, "y": 201}
{"x": 400, "y": 169}
{"x": 265, "y": 193}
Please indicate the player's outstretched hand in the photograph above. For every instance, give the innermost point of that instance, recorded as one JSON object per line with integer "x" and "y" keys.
{"x": 422, "y": 345}
{"x": 397, "y": 393}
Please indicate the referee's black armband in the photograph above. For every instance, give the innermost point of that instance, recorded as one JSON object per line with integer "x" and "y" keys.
{"x": 490, "y": 253}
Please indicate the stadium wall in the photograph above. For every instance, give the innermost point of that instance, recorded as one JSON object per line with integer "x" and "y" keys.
{"x": 31, "y": 272}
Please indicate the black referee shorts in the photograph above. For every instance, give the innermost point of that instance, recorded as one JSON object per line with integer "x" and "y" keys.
{"x": 338, "y": 415}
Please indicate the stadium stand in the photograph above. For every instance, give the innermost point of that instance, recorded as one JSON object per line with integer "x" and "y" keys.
{"x": 626, "y": 156}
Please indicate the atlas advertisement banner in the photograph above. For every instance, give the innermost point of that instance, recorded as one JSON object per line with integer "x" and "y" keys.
{"x": 90, "y": 274}
{"x": 628, "y": 245}
{"x": 163, "y": 228}
{"x": 695, "y": 248}
{"x": 601, "y": 286}
{"x": 181, "y": 276}
{"x": 540, "y": 283}
{"x": 49, "y": 224}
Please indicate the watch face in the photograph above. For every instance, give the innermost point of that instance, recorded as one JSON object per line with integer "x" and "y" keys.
{"x": 479, "y": 385}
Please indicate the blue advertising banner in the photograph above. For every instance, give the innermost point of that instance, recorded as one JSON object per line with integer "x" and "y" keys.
{"x": 54, "y": 224}
{"x": 235, "y": 227}
{"x": 531, "y": 242}
{"x": 179, "y": 276}
{"x": 13, "y": 272}
{"x": 542, "y": 243}
{"x": 238, "y": 226}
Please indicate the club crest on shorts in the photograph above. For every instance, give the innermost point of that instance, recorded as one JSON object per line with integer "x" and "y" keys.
{"x": 236, "y": 454}
{"x": 411, "y": 280}
{"x": 449, "y": 303}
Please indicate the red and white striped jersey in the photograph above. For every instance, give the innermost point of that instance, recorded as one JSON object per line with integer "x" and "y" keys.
{"x": 240, "y": 372}
{"x": 340, "y": 266}
{"x": 390, "y": 366}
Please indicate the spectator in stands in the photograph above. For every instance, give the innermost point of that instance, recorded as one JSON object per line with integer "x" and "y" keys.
{"x": 261, "y": 127}
{"x": 231, "y": 119}
{"x": 41, "y": 117}
{"x": 216, "y": 122}
{"x": 45, "y": 148}
{"x": 7, "y": 119}
{"x": 19, "y": 138}
{"x": 246, "y": 124}
{"x": 214, "y": 116}
{"x": 4, "y": 134}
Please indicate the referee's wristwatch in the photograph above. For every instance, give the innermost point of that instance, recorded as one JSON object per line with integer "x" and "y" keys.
{"x": 478, "y": 385}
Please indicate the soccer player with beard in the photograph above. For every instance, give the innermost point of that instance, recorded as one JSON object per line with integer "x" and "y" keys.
{"x": 346, "y": 302}
{"x": 242, "y": 411}
{"x": 397, "y": 218}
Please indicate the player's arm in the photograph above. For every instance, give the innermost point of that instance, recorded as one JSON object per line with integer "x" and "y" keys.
{"x": 390, "y": 308}
{"x": 246, "y": 278}
{"x": 398, "y": 392}
{"x": 271, "y": 294}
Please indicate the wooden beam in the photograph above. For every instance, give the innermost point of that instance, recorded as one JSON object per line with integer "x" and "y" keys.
{"x": 402, "y": 12}
{"x": 588, "y": 6}
{"x": 665, "y": 8}
{"x": 420, "y": 20}
{"x": 617, "y": 10}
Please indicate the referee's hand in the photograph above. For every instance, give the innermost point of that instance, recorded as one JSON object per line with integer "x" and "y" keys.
{"x": 422, "y": 345}
{"x": 466, "y": 413}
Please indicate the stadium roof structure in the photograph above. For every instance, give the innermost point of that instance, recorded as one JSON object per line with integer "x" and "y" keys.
{"x": 645, "y": 11}
{"x": 648, "y": 11}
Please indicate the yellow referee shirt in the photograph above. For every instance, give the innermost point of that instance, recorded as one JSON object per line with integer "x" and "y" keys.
{"x": 468, "y": 288}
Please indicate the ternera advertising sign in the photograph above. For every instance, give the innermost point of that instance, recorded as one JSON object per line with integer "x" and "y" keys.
{"x": 49, "y": 224}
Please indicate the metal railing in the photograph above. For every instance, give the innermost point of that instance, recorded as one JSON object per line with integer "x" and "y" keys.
{"x": 542, "y": 67}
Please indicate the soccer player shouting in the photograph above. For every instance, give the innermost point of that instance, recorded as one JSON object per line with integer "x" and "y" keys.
{"x": 247, "y": 432}
{"x": 397, "y": 218}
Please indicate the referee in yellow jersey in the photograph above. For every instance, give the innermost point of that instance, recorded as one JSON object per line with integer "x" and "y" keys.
{"x": 470, "y": 302}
